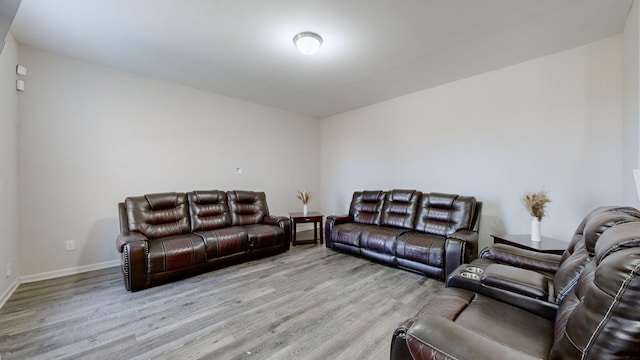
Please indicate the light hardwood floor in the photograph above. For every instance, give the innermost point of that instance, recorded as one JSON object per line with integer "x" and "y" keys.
{"x": 308, "y": 303}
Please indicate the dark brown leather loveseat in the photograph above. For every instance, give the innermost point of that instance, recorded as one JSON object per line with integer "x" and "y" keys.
{"x": 597, "y": 319}
{"x": 429, "y": 233}
{"x": 171, "y": 235}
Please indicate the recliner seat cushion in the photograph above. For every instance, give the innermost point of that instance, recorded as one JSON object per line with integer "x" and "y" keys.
{"x": 263, "y": 236}
{"x": 490, "y": 318}
{"x": 349, "y": 233}
{"x": 423, "y": 248}
{"x": 380, "y": 239}
{"x": 174, "y": 253}
{"x": 225, "y": 242}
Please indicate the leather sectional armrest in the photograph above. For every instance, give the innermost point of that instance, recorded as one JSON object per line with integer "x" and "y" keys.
{"x": 520, "y": 281}
{"x": 340, "y": 219}
{"x": 525, "y": 259}
{"x": 275, "y": 220}
{"x": 471, "y": 243}
{"x": 127, "y": 238}
{"x": 433, "y": 337}
{"x": 284, "y": 223}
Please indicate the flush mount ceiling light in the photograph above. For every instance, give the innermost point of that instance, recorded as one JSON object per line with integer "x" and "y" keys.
{"x": 308, "y": 43}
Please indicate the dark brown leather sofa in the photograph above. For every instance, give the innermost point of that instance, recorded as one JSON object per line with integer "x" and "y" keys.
{"x": 535, "y": 281}
{"x": 597, "y": 319}
{"x": 172, "y": 235}
{"x": 428, "y": 233}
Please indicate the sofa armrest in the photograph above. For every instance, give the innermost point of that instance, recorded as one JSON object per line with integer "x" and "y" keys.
{"x": 330, "y": 223}
{"x": 460, "y": 248}
{"x": 128, "y": 237}
{"x": 522, "y": 258}
{"x": 471, "y": 239}
{"x": 284, "y": 223}
{"x": 434, "y": 337}
{"x": 134, "y": 264}
{"x": 340, "y": 219}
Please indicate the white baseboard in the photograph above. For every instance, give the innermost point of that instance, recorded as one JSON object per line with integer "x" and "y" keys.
{"x": 68, "y": 271}
{"x": 7, "y": 294}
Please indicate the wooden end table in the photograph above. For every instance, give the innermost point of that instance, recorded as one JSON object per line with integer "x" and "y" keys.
{"x": 523, "y": 241}
{"x": 311, "y": 216}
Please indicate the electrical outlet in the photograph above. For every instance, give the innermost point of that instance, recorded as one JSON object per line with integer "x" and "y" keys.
{"x": 71, "y": 245}
{"x": 8, "y": 269}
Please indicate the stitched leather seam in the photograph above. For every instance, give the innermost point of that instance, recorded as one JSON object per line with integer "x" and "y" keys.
{"x": 607, "y": 315}
{"x": 429, "y": 345}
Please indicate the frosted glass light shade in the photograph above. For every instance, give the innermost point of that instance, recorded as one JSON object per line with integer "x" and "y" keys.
{"x": 307, "y": 43}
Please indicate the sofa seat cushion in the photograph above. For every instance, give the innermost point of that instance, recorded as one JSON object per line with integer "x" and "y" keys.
{"x": 263, "y": 236}
{"x": 349, "y": 233}
{"x": 380, "y": 239}
{"x": 422, "y": 248}
{"x": 175, "y": 253}
{"x": 225, "y": 242}
{"x": 502, "y": 323}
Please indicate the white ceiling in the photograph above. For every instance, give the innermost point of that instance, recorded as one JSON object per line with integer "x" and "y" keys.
{"x": 373, "y": 49}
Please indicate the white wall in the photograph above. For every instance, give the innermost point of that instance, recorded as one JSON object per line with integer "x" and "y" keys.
{"x": 90, "y": 136}
{"x": 8, "y": 167}
{"x": 553, "y": 122}
{"x": 631, "y": 101}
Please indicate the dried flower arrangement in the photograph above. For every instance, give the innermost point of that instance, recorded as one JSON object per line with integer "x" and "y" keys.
{"x": 534, "y": 202}
{"x": 304, "y": 196}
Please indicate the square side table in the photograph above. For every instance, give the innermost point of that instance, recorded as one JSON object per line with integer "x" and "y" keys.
{"x": 311, "y": 217}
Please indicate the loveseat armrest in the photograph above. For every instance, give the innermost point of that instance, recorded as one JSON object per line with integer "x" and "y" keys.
{"x": 460, "y": 248}
{"x": 129, "y": 237}
{"x": 330, "y": 223}
{"x": 434, "y": 337}
{"x": 284, "y": 223}
{"x": 522, "y": 258}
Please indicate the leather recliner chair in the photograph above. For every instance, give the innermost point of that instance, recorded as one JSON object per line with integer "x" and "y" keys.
{"x": 598, "y": 319}
{"x": 535, "y": 281}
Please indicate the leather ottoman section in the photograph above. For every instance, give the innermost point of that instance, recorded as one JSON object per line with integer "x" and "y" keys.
{"x": 224, "y": 242}
{"x": 174, "y": 256}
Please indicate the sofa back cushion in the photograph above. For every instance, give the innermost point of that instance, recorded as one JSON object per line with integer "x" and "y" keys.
{"x": 247, "y": 207}
{"x": 444, "y": 214}
{"x": 366, "y": 206}
{"x": 208, "y": 210}
{"x": 599, "y": 317}
{"x": 399, "y": 208}
{"x": 158, "y": 215}
{"x": 581, "y": 252}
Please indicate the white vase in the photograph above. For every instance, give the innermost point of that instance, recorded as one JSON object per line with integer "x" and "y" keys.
{"x": 535, "y": 229}
{"x": 304, "y": 209}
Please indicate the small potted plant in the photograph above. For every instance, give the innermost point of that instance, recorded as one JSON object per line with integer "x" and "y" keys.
{"x": 535, "y": 202}
{"x": 304, "y": 196}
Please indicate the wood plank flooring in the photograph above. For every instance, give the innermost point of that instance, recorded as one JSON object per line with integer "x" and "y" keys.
{"x": 308, "y": 303}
